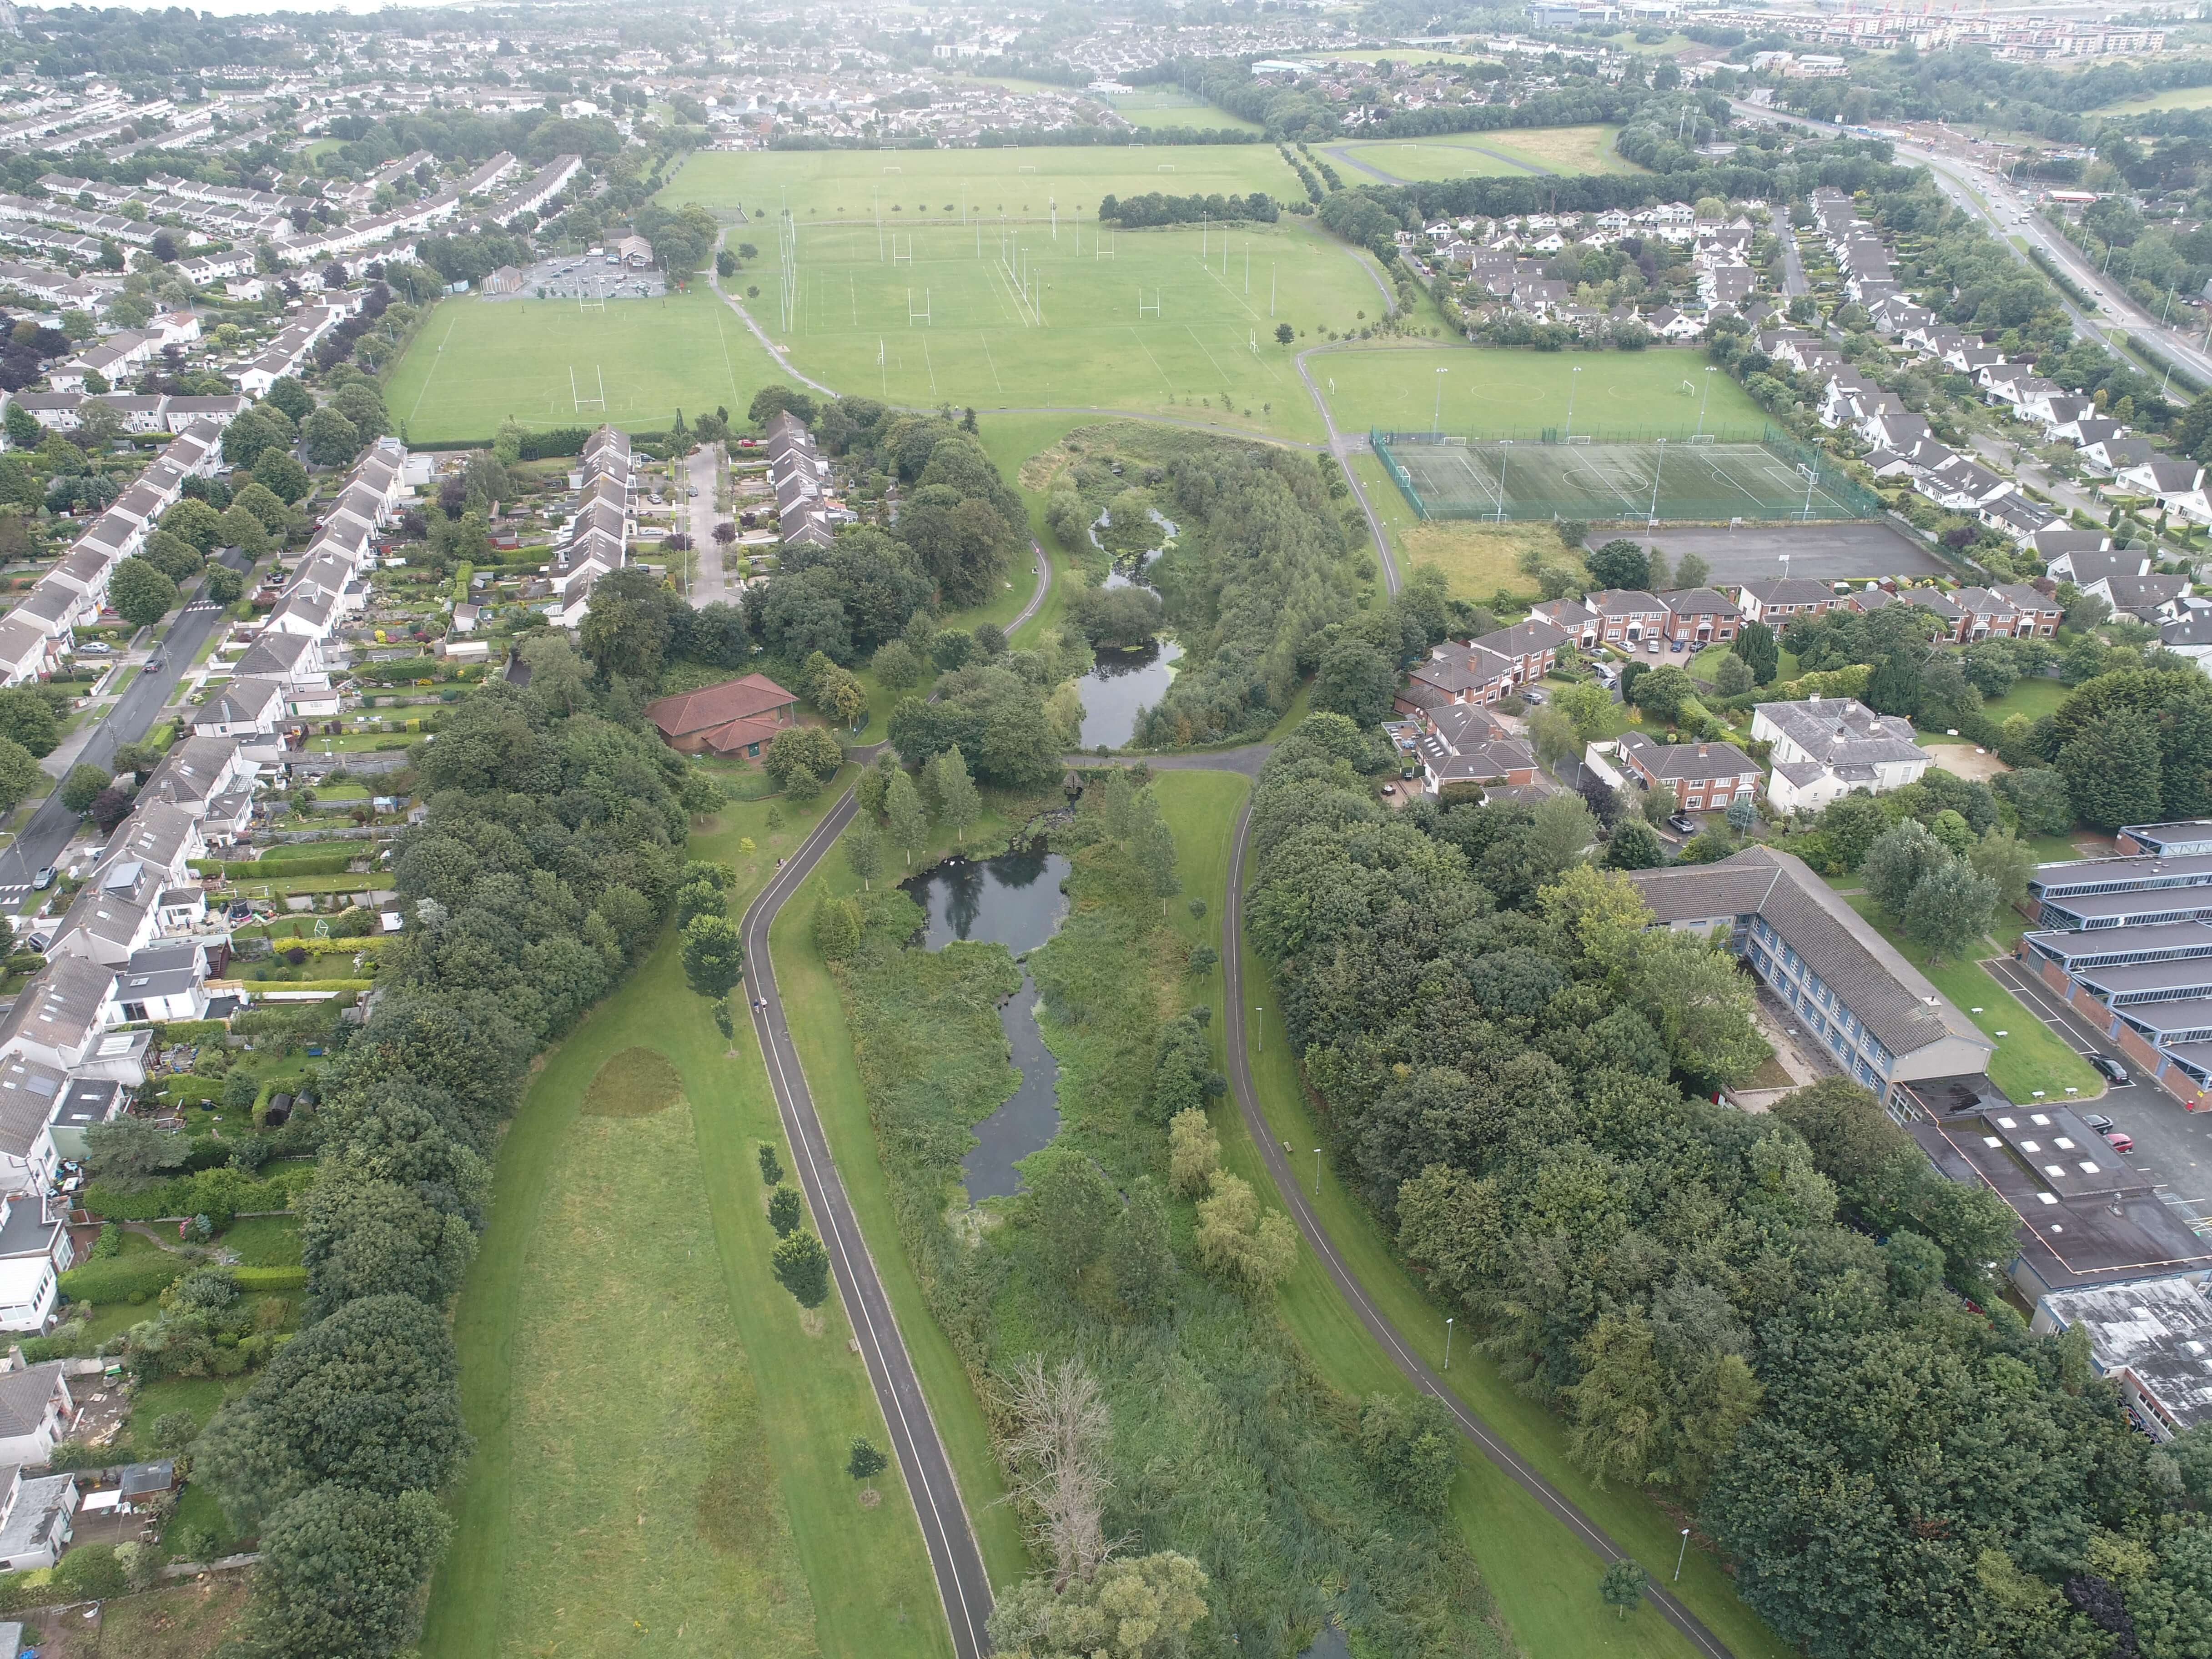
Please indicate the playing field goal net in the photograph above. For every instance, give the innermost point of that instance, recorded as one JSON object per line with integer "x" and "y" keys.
{"x": 1640, "y": 476}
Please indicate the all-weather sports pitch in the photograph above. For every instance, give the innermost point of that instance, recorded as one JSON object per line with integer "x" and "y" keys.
{"x": 1698, "y": 480}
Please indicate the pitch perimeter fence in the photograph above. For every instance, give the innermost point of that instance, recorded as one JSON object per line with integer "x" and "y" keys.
{"x": 1642, "y": 475}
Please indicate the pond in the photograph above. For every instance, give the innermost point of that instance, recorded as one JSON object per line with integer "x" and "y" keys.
{"x": 1123, "y": 683}
{"x": 1012, "y": 899}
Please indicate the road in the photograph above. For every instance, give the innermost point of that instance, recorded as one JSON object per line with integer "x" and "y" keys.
{"x": 709, "y": 586}
{"x": 1392, "y": 1341}
{"x": 1792, "y": 266}
{"x": 131, "y": 718}
{"x": 2173, "y": 1149}
{"x": 954, "y": 1556}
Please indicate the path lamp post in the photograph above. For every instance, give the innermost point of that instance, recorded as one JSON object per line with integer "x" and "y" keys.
{"x": 1448, "y": 1325}
{"x": 1260, "y": 1026}
{"x": 1680, "y": 1553}
{"x": 1317, "y": 1172}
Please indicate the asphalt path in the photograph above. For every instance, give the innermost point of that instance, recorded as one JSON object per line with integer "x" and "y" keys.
{"x": 133, "y": 715}
{"x": 1343, "y": 446}
{"x": 954, "y": 1556}
{"x": 1386, "y": 1334}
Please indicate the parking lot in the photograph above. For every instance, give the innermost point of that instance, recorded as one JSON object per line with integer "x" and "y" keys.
{"x": 1825, "y": 552}
{"x": 577, "y": 277}
{"x": 2173, "y": 1148}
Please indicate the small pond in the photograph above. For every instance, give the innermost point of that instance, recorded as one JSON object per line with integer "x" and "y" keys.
{"x": 1122, "y": 683}
{"x": 1330, "y": 1645}
{"x": 1012, "y": 899}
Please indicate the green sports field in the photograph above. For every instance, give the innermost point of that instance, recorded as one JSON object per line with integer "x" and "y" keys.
{"x": 1514, "y": 152}
{"x": 1493, "y": 392}
{"x": 957, "y": 278}
{"x": 474, "y": 362}
{"x": 1171, "y": 106}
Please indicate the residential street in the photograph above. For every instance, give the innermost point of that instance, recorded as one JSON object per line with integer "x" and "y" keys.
{"x": 133, "y": 715}
{"x": 709, "y": 586}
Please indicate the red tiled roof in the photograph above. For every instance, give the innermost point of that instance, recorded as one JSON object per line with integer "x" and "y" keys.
{"x": 712, "y": 706}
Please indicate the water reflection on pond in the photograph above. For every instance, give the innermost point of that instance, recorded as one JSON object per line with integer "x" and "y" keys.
{"x": 1123, "y": 683}
{"x": 1012, "y": 899}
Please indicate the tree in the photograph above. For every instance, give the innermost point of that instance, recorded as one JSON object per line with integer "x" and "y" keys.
{"x": 1157, "y": 853}
{"x": 173, "y": 557}
{"x": 109, "y": 808}
{"x": 775, "y": 398}
{"x": 1898, "y": 861}
{"x": 864, "y": 849}
{"x": 1635, "y": 846}
{"x": 1285, "y": 334}
{"x": 370, "y": 1237}
{"x": 1136, "y": 1608}
{"x": 1194, "y": 1151}
{"x": 784, "y": 1211}
{"x": 836, "y": 928}
{"x": 1357, "y": 681}
{"x": 1619, "y": 563}
{"x": 1622, "y": 1586}
{"x": 242, "y": 530}
{"x": 1756, "y": 644}
{"x": 714, "y": 956}
{"x": 222, "y": 585}
{"x": 342, "y": 1572}
{"x": 2042, "y": 797}
{"x": 19, "y": 774}
{"x": 1733, "y": 678}
{"x": 140, "y": 594}
{"x": 287, "y": 393}
{"x": 626, "y": 631}
{"x": 28, "y": 718}
{"x": 129, "y": 1151}
{"x": 280, "y": 472}
{"x": 2006, "y": 860}
{"x": 897, "y": 665}
{"x": 1950, "y": 908}
{"x": 909, "y": 818}
{"x": 1697, "y": 1000}
{"x": 2113, "y": 772}
{"x": 1138, "y": 1253}
{"x": 1692, "y": 571}
{"x": 1254, "y": 1251}
{"x": 361, "y": 402}
{"x": 329, "y": 438}
{"x": 1412, "y": 1449}
{"x": 862, "y": 1458}
{"x": 195, "y": 522}
{"x": 958, "y": 801}
{"x": 264, "y": 504}
{"x": 802, "y": 1266}
{"x": 802, "y": 751}
{"x": 79, "y": 788}
{"x": 306, "y": 1418}
{"x": 23, "y": 429}
{"x": 1056, "y": 1452}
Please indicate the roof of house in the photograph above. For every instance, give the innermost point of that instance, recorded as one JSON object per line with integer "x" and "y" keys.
{"x": 1789, "y": 590}
{"x": 25, "y": 1395}
{"x": 1895, "y": 999}
{"x": 1676, "y": 761}
{"x": 745, "y": 698}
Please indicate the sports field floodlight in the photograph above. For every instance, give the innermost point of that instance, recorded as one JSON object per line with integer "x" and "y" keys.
{"x": 1702, "y": 401}
{"x": 1437, "y": 415}
{"x": 1657, "y": 466}
{"x": 1569, "y": 431}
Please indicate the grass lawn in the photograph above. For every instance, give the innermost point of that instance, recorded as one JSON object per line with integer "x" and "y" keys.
{"x": 1489, "y": 389}
{"x": 2033, "y": 697}
{"x": 1477, "y": 559}
{"x": 265, "y": 1240}
{"x": 1066, "y": 329}
{"x": 2030, "y": 1055}
{"x": 1513, "y": 152}
{"x": 661, "y": 1430}
{"x": 474, "y": 362}
{"x": 2173, "y": 98}
{"x": 1171, "y": 106}
{"x": 199, "y": 1396}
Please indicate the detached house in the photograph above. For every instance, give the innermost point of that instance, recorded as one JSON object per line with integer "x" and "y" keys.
{"x": 1700, "y": 776}
{"x": 2176, "y": 487}
{"x": 1825, "y": 747}
{"x": 1774, "y": 601}
{"x": 736, "y": 719}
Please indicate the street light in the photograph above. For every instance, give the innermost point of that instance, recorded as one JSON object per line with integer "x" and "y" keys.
{"x": 1448, "y": 1325}
{"x": 1707, "y": 398}
{"x": 1681, "y": 1551}
{"x": 1261, "y": 1043}
{"x": 1570, "y": 432}
{"x": 1317, "y": 1172}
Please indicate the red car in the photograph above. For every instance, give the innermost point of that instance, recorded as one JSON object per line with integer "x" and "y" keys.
{"x": 2121, "y": 1140}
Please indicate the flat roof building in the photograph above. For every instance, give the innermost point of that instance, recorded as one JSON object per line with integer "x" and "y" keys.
{"x": 2153, "y": 1337}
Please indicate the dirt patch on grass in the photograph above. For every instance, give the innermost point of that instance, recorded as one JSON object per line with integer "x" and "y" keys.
{"x": 185, "y": 1622}
{"x": 635, "y": 1082}
{"x": 1479, "y": 559}
{"x": 1037, "y": 472}
{"x": 1964, "y": 760}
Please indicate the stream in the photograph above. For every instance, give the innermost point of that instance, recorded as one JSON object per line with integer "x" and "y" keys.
{"x": 1014, "y": 900}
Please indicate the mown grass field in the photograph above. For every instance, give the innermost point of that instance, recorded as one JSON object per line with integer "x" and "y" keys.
{"x": 660, "y": 1430}
{"x": 1510, "y": 152}
{"x": 1489, "y": 389}
{"x": 474, "y": 362}
{"x": 2175, "y": 98}
{"x": 1171, "y": 106}
{"x": 1022, "y": 315}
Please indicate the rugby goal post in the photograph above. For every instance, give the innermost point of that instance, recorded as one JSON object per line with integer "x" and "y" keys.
{"x": 1578, "y": 438}
{"x": 1700, "y": 438}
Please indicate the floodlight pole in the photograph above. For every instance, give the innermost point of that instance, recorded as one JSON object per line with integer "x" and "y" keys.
{"x": 1503, "y": 460}
{"x": 1702, "y": 401}
{"x": 1569, "y": 431}
{"x": 1657, "y": 466}
{"x": 1436, "y": 415}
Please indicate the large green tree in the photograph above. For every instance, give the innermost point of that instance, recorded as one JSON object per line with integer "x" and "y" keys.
{"x": 141, "y": 594}
{"x": 340, "y": 1573}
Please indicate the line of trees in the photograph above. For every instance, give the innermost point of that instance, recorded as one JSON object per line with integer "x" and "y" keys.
{"x": 550, "y": 858}
{"x": 1755, "y": 1318}
{"x": 1155, "y": 209}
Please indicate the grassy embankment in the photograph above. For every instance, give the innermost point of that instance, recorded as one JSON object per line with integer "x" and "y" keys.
{"x": 660, "y": 1429}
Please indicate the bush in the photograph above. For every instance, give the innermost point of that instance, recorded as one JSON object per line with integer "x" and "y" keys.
{"x": 802, "y": 1266}
{"x": 783, "y": 1211}
{"x": 866, "y": 1460}
{"x": 128, "y": 1279}
{"x": 89, "y": 1572}
{"x": 771, "y": 1169}
{"x": 174, "y": 1431}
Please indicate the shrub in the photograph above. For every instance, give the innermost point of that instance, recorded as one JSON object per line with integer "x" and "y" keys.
{"x": 783, "y": 1211}
{"x": 131, "y": 1279}
{"x": 771, "y": 1170}
{"x": 864, "y": 1460}
{"x": 802, "y": 1266}
{"x": 174, "y": 1431}
{"x": 89, "y": 1572}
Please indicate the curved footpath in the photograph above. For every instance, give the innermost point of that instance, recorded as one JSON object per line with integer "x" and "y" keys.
{"x": 1387, "y": 1334}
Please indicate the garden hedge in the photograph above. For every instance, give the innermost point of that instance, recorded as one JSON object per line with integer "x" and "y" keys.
{"x": 123, "y": 1278}
{"x": 220, "y": 1189}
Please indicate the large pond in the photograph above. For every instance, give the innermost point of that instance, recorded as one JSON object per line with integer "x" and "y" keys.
{"x": 1123, "y": 683}
{"x": 1012, "y": 899}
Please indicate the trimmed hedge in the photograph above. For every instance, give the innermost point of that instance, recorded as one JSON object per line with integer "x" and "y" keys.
{"x": 123, "y": 1279}
{"x": 252, "y": 1280}
{"x": 321, "y": 864}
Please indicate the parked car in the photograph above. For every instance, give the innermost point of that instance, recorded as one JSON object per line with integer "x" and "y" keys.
{"x": 1682, "y": 824}
{"x": 2105, "y": 1066}
{"x": 94, "y": 648}
{"x": 2121, "y": 1140}
{"x": 44, "y": 879}
{"x": 1532, "y": 695}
